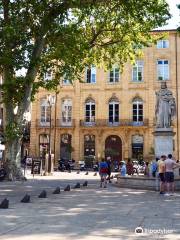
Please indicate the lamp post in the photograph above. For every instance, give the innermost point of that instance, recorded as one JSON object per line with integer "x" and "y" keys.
{"x": 51, "y": 102}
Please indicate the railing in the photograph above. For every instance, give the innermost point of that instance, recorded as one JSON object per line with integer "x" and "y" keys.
{"x": 107, "y": 123}
{"x": 65, "y": 124}
{"x": 59, "y": 123}
{"x": 42, "y": 124}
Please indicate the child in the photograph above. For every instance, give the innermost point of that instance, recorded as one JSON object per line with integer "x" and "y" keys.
{"x": 103, "y": 172}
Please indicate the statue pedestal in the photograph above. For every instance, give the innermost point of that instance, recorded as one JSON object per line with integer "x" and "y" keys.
{"x": 163, "y": 141}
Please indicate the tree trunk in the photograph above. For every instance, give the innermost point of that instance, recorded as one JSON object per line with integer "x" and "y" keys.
{"x": 13, "y": 160}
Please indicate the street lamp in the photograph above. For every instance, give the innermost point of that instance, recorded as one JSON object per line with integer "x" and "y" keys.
{"x": 51, "y": 102}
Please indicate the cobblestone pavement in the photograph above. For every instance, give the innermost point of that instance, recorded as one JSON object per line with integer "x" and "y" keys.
{"x": 88, "y": 213}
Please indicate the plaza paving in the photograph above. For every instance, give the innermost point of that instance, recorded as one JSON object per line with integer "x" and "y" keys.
{"x": 86, "y": 214}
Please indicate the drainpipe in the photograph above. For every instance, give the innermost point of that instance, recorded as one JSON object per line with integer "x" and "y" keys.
{"x": 177, "y": 95}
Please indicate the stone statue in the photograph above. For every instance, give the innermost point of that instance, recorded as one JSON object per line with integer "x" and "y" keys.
{"x": 165, "y": 109}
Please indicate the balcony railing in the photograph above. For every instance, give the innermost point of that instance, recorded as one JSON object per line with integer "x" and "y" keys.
{"x": 59, "y": 123}
{"x": 65, "y": 124}
{"x": 42, "y": 124}
{"x": 107, "y": 123}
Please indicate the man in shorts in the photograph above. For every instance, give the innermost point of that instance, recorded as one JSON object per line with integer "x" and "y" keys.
{"x": 170, "y": 164}
{"x": 103, "y": 172}
{"x": 161, "y": 170}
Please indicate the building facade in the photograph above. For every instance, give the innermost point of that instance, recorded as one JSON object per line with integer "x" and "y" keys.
{"x": 111, "y": 114}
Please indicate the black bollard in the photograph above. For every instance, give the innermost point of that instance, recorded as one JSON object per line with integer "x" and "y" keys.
{"x": 77, "y": 185}
{"x": 95, "y": 174}
{"x": 43, "y": 194}
{"x": 26, "y": 199}
{"x": 67, "y": 188}
{"x": 57, "y": 191}
{"x": 85, "y": 184}
{"x": 86, "y": 173}
{"x": 4, "y": 204}
{"x": 77, "y": 172}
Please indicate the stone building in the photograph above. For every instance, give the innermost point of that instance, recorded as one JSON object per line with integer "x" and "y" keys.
{"x": 111, "y": 114}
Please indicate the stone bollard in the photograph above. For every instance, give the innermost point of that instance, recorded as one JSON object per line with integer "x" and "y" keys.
{"x": 26, "y": 199}
{"x": 77, "y": 185}
{"x": 67, "y": 188}
{"x": 43, "y": 194}
{"x": 57, "y": 191}
{"x": 4, "y": 204}
{"x": 85, "y": 184}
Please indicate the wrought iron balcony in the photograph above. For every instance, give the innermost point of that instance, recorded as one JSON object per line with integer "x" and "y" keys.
{"x": 65, "y": 124}
{"x": 59, "y": 123}
{"x": 43, "y": 124}
{"x": 107, "y": 123}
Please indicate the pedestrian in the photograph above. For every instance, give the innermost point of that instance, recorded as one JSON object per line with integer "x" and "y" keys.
{"x": 103, "y": 172}
{"x": 154, "y": 167}
{"x": 109, "y": 169}
{"x": 170, "y": 164}
{"x": 129, "y": 167}
{"x": 146, "y": 170}
{"x": 123, "y": 169}
{"x": 161, "y": 171}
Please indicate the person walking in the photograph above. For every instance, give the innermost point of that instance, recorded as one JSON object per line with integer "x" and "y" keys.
{"x": 170, "y": 164}
{"x": 123, "y": 169}
{"x": 109, "y": 169}
{"x": 154, "y": 167}
{"x": 103, "y": 172}
{"x": 129, "y": 167}
{"x": 146, "y": 170}
{"x": 161, "y": 171}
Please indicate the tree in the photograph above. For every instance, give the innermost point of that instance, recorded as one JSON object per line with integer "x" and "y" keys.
{"x": 178, "y": 6}
{"x": 65, "y": 36}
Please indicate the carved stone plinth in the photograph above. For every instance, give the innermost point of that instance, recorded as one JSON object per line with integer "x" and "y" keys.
{"x": 163, "y": 141}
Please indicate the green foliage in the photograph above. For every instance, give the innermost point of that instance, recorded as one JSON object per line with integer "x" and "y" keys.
{"x": 178, "y": 29}
{"x": 65, "y": 36}
{"x": 12, "y": 132}
{"x": 68, "y": 35}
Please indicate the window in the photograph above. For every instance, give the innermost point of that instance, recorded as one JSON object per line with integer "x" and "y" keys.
{"x": 66, "y": 147}
{"x": 48, "y": 75}
{"x": 89, "y": 145}
{"x": 43, "y": 145}
{"x": 91, "y": 74}
{"x": 137, "y": 110}
{"x": 114, "y": 75}
{"x": 113, "y": 112}
{"x": 162, "y": 44}
{"x": 45, "y": 112}
{"x": 67, "y": 111}
{"x": 137, "y": 72}
{"x": 90, "y": 112}
{"x": 66, "y": 81}
{"x": 163, "y": 69}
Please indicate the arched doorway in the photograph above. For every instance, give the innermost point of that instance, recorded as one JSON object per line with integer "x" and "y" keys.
{"x": 113, "y": 149}
{"x": 65, "y": 147}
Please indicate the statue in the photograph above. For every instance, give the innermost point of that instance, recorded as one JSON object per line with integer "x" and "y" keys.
{"x": 165, "y": 109}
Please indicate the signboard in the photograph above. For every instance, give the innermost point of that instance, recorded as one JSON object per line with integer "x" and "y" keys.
{"x": 36, "y": 166}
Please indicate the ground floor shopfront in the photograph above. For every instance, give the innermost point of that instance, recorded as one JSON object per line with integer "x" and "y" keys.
{"x": 118, "y": 143}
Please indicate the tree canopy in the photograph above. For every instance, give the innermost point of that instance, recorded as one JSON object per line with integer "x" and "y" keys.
{"x": 67, "y": 35}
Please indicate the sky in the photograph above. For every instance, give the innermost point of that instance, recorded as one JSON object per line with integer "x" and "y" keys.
{"x": 174, "y": 22}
